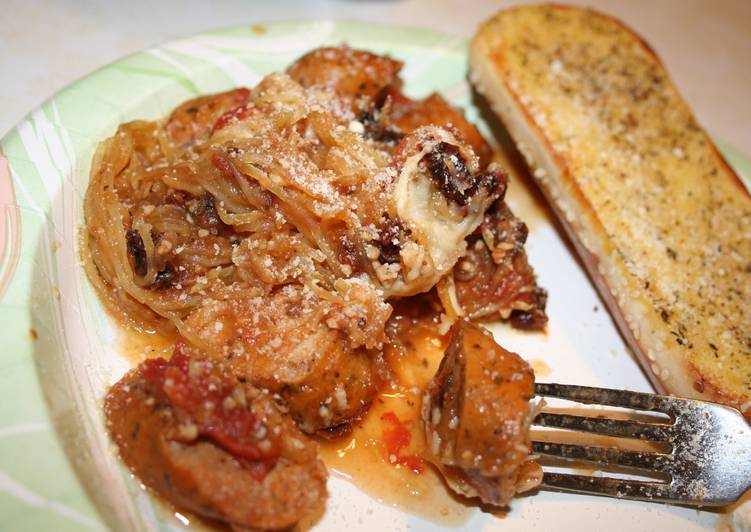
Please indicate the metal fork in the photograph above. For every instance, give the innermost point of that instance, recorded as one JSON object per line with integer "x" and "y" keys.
{"x": 710, "y": 461}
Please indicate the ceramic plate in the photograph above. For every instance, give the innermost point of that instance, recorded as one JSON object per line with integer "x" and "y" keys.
{"x": 59, "y": 350}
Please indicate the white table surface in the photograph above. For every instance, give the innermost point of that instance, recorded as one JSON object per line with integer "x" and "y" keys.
{"x": 46, "y": 44}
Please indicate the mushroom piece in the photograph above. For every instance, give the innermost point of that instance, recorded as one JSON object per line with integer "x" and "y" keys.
{"x": 476, "y": 412}
{"x": 439, "y": 197}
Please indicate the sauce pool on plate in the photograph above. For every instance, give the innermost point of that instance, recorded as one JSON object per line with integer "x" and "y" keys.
{"x": 381, "y": 456}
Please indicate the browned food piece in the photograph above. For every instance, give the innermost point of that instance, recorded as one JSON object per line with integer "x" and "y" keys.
{"x": 371, "y": 83}
{"x": 659, "y": 219}
{"x": 194, "y": 120}
{"x": 355, "y": 75}
{"x": 494, "y": 279}
{"x": 439, "y": 196}
{"x": 408, "y": 115}
{"x": 477, "y": 413}
{"x": 310, "y": 352}
{"x": 212, "y": 445}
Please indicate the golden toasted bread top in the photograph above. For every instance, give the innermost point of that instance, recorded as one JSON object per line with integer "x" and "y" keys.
{"x": 674, "y": 219}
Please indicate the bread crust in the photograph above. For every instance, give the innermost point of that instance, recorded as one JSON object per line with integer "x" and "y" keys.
{"x": 649, "y": 206}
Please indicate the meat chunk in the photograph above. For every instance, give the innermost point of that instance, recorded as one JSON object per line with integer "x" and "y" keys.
{"x": 409, "y": 115}
{"x": 213, "y": 445}
{"x": 311, "y": 352}
{"x": 355, "y": 75}
{"x": 195, "y": 119}
{"x": 494, "y": 279}
{"x": 476, "y": 412}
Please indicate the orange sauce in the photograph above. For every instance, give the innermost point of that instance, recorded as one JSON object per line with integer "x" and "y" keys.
{"x": 540, "y": 367}
{"x": 137, "y": 346}
{"x": 367, "y": 457}
{"x": 725, "y": 523}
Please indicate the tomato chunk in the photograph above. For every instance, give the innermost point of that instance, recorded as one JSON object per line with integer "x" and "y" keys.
{"x": 215, "y": 403}
{"x": 397, "y": 437}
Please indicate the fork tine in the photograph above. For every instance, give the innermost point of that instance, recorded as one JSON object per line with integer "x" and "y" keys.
{"x": 604, "y": 396}
{"x": 604, "y": 455}
{"x": 607, "y": 427}
{"x": 611, "y": 487}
